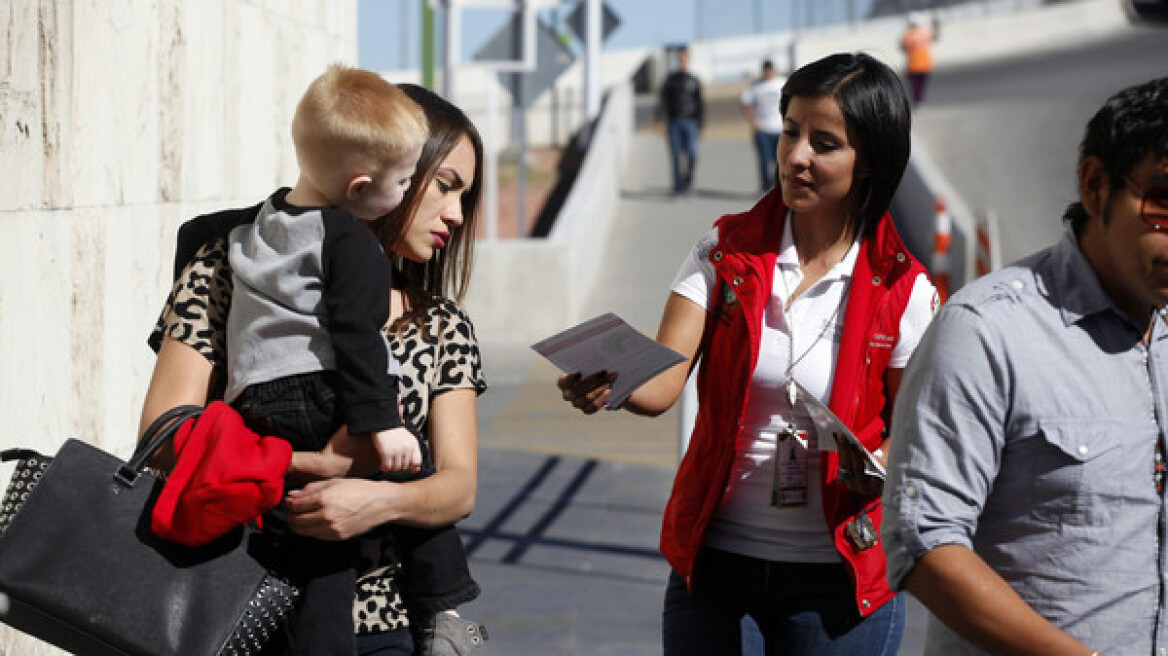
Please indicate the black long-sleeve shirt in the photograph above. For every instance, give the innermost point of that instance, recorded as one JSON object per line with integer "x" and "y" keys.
{"x": 681, "y": 98}
{"x": 312, "y": 294}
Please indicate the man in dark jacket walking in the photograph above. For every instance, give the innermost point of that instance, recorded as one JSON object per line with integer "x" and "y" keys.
{"x": 682, "y": 109}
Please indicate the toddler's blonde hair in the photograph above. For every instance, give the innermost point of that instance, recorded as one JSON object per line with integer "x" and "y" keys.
{"x": 353, "y": 122}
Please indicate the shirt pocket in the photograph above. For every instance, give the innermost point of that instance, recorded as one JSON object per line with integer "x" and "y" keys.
{"x": 1078, "y": 472}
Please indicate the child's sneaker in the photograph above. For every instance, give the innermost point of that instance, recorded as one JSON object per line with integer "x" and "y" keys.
{"x": 447, "y": 634}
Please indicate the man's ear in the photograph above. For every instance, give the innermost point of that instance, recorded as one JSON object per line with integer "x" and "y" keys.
{"x": 1093, "y": 185}
{"x": 357, "y": 186}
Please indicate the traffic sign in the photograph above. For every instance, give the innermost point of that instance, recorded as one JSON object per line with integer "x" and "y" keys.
{"x": 609, "y": 21}
{"x": 552, "y": 60}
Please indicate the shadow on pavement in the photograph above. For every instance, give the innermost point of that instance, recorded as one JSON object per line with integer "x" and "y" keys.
{"x": 565, "y": 550}
{"x": 537, "y": 534}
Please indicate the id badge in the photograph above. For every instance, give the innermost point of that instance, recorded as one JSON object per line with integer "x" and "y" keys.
{"x": 790, "y": 484}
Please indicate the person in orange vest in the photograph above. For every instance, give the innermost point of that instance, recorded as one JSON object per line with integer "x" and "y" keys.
{"x": 917, "y": 43}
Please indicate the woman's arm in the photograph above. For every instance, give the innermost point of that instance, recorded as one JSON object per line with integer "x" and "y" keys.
{"x": 449, "y": 494}
{"x": 184, "y": 371}
{"x": 682, "y": 324}
{"x": 340, "y": 509}
{"x": 182, "y": 376}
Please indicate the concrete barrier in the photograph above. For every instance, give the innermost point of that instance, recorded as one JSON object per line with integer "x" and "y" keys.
{"x": 914, "y": 208}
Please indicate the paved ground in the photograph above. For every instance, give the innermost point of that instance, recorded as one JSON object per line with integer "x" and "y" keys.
{"x": 565, "y": 549}
{"x": 564, "y": 537}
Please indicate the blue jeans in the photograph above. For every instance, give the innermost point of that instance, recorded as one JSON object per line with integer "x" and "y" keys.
{"x": 766, "y": 144}
{"x": 683, "y": 152}
{"x": 802, "y": 609}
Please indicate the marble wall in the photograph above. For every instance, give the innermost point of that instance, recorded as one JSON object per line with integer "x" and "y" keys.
{"x": 118, "y": 120}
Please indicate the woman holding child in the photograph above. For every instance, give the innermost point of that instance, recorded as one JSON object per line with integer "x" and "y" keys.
{"x": 809, "y": 292}
{"x": 429, "y": 237}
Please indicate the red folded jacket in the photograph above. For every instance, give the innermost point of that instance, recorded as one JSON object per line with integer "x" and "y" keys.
{"x": 225, "y": 475}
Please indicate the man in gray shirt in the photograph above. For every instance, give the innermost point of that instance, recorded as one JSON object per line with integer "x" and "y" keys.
{"x": 1025, "y": 502}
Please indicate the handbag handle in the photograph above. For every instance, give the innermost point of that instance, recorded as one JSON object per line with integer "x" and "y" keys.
{"x": 159, "y": 432}
{"x": 17, "y": 454}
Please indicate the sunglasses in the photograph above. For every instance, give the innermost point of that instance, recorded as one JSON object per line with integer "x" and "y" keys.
{"x": 1153, "y": 204}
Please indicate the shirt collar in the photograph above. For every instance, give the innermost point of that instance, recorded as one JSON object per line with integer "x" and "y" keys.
{"x": 1075, "y": 282}
{"x": 1079, "y": 289}
{"x": 789, "y": 257}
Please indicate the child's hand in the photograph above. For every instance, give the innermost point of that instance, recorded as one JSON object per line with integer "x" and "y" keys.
{"x": 398, "y": 450}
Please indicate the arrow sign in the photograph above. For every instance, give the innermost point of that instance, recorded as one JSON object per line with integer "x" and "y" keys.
{"x": 552, "y": 60}
{"x": 609, "y": 21}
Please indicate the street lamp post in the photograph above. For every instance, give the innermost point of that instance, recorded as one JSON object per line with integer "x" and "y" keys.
{"x": 427, "y": 45}
{"x": 592, "y": 40}
{"x": 453, "y": 37}
{"x": 792, "y": 63}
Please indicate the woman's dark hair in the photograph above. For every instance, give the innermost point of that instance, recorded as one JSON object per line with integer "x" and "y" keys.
{"x": 879, "y": 121}
{"x": 448, "y": 272}
{"x": 1131, "y": 124}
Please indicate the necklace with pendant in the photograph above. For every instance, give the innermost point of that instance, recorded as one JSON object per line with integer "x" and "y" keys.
{"x": 792, "y": 392}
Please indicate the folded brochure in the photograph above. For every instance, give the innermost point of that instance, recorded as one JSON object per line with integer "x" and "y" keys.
{"x": 827, "y": 424}
{"x": 608, "y": 343}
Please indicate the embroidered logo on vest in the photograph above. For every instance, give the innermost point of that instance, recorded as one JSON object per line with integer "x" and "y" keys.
{"x": 729, "y": 298}
{"x": 728, "y": 305}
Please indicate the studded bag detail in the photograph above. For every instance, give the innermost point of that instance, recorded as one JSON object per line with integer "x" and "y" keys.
{"x": 30, "y": 467}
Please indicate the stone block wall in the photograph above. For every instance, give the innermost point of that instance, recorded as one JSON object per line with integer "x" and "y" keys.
{"x": 118, "y": 120}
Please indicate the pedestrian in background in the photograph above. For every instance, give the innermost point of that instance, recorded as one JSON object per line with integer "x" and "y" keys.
{"x": 917, "y": 44}
{"x": 812, "y": 285}
{"x": 760, "y": 106}
{"x": 682, "y": 109}
{"x": 1025, "y": 497}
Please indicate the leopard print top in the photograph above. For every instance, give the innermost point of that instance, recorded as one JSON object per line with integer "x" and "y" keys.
{"x": 195, "y": 313}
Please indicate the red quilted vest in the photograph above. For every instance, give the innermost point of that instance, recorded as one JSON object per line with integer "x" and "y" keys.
{"x": 744, "y": 259}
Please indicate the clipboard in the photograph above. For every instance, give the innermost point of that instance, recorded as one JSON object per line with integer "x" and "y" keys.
{"x": 827, "y": 424}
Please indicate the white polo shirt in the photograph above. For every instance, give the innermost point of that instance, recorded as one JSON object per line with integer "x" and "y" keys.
{"x": 764, "y": 96}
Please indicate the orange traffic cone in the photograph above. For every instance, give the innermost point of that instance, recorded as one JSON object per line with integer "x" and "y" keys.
{"x": 986, "y": 239}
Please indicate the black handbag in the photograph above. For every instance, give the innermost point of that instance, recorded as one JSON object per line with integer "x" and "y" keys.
{"x": 82, "y": 570}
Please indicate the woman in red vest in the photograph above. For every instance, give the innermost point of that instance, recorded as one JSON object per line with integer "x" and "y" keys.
{"x": 810, "y": 292}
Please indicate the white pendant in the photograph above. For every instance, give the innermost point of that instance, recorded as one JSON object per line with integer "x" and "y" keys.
{"x": 792, "y": 393}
